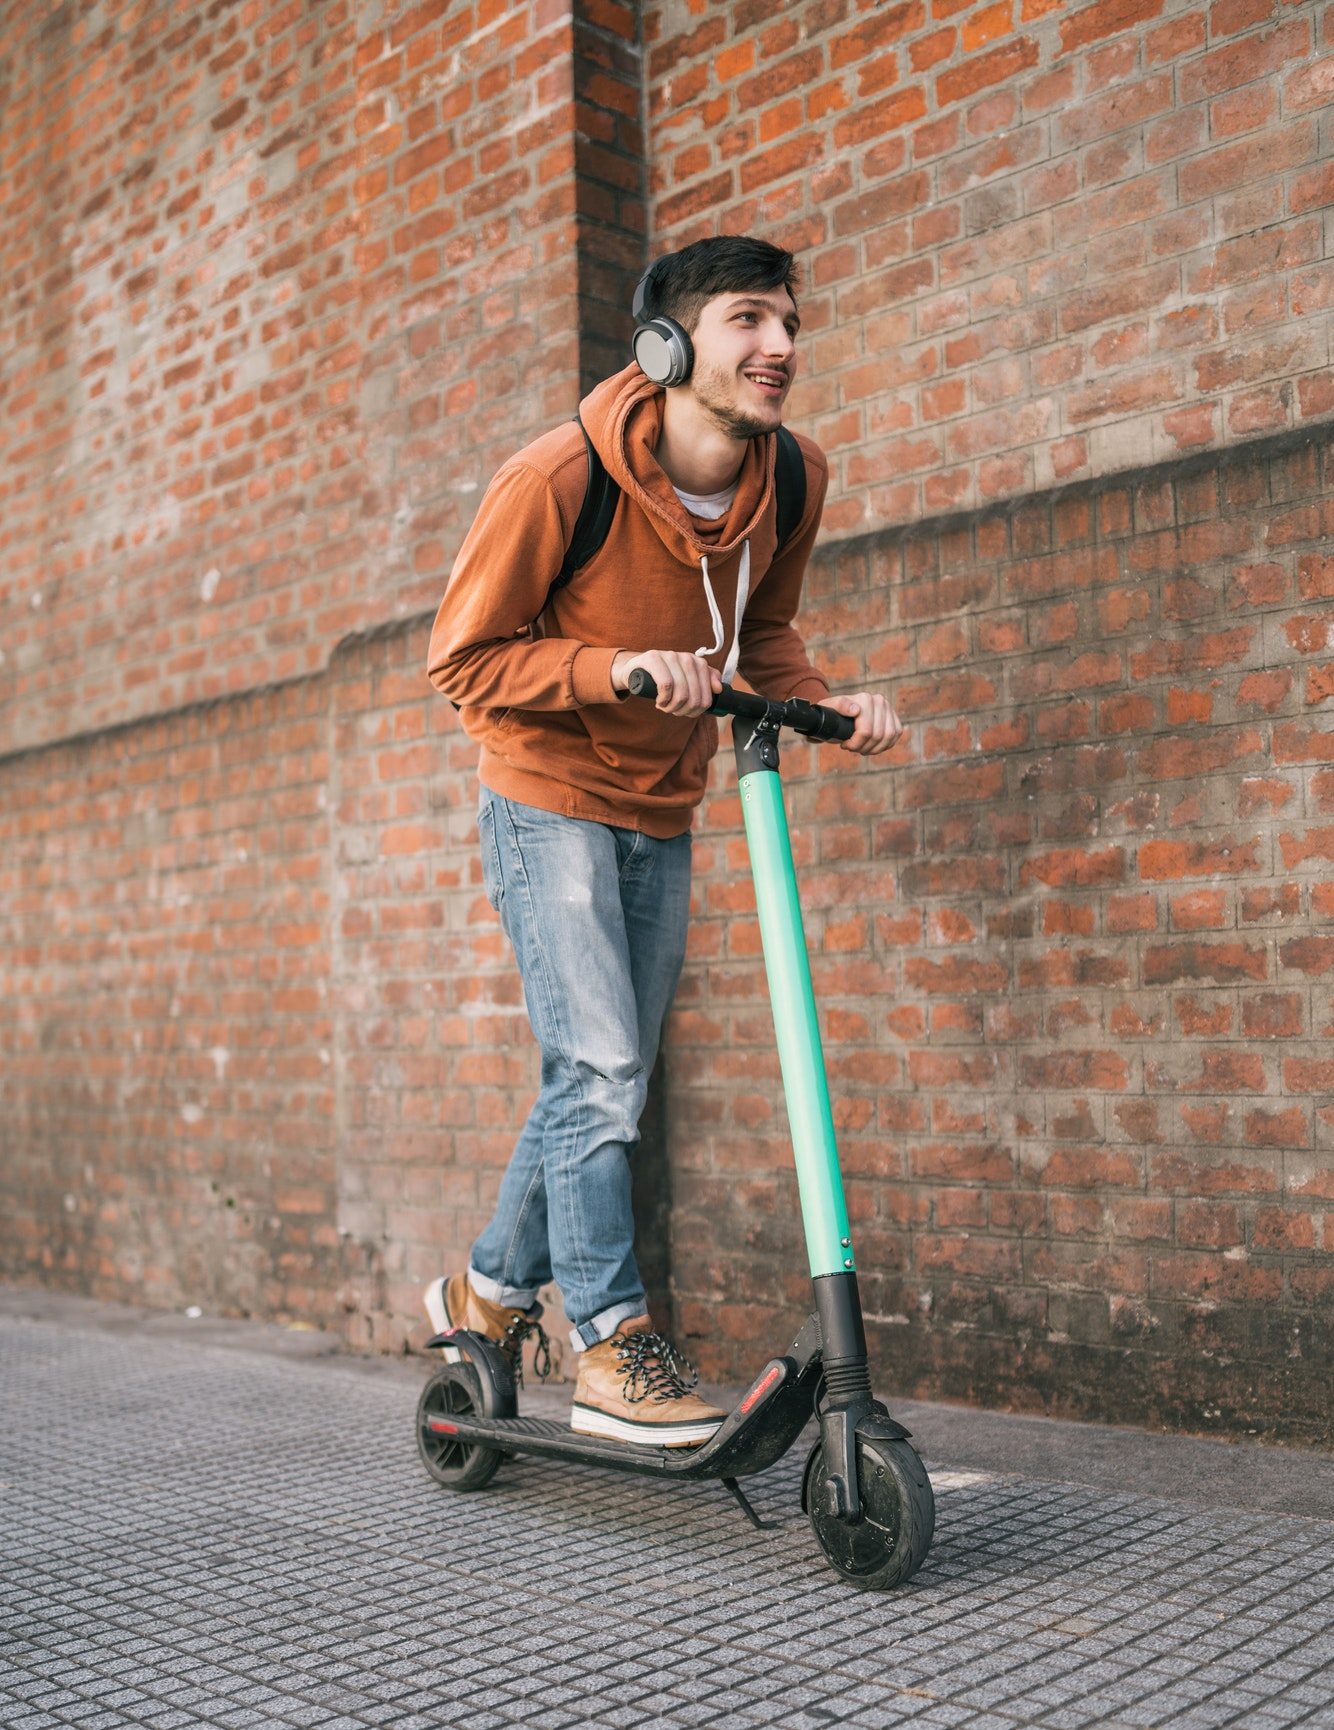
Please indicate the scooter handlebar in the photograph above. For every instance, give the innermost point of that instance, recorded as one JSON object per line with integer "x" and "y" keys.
{"x": 811, "y": 719}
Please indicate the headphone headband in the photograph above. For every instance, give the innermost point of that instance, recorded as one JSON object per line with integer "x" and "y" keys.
{"x": 639, "y": 305}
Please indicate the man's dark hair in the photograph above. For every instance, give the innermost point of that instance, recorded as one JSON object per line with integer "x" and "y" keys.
{"x": 681, "y": 283}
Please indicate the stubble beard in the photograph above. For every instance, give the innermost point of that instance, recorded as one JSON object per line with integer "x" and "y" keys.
{"x": 715, "y": 393}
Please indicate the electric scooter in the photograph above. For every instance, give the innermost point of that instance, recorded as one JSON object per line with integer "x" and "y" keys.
{"x": 865, "y": 1489}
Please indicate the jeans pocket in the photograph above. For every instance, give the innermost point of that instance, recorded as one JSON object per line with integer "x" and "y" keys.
{"x": 492, "y": 880}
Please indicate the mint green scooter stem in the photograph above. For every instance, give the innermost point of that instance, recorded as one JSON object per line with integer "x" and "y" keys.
{"x": 800, "y": 1054}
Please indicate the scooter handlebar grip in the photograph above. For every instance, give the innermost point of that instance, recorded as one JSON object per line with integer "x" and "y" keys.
{"x": 817, "y": 722}
{"x": 811, "y": 719}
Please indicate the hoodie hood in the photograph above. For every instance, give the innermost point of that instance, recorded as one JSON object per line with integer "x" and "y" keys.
{"x": 623, "y": 417}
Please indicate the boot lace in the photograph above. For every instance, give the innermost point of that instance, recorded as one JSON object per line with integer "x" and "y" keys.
{"x": 511, "y": 1344}
{"x": 652, "y": 1368}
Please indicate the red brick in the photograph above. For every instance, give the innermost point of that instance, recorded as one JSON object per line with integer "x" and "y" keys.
{"x": 985, "y": 26}
{"x": 1161, "y": 861}
{"x": 1283, "y": 1229}
{"x": 1179, "y": 36}
{"x": 1310, "y": 87}
{"x": 1260, "y": 905}
{"x": 1105, "y": 18}
{"x": 1312, "y": 956}
{"x": 889, "y": 24}
{"x": 1279, "y": 1129}
{"x": 1208, "y": 1225}
{"x": 1272, "y": 1016}
{"x": 1223, "y": 963}
{"x": 873, "y": 120}
{"x": 928, "y": 51}
{"x": 733, "y": 61}
{"x": 1075, "y": 867}
{"x": 1241, "y": 62}
{"x": 1235, "y": 165}
{"x": 986, "y": 69}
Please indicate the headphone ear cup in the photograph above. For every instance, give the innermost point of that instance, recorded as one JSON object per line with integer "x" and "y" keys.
{"x": 663, "y": 351}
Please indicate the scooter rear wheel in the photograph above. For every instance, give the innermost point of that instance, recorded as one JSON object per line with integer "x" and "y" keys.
{"x": 453, "y": 1391}
{"x": 890, "y": 1544}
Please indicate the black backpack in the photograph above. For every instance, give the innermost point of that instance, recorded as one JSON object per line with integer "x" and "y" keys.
{"x": 599, "y": 506}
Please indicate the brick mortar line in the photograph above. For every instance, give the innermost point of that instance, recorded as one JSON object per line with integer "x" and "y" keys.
{"x": 1250, "y": 452}
{"x": 1247, "y": 452}
{"x": 1043, "y": 33}
{"x": 345, "y": 645}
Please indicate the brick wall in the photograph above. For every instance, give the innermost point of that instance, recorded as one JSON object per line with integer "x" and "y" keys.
{"x": 167, "y": 1108}
{"x": 283, "y": 286}
{"x": 1074, "y": 955}
{"x": 1045, "y": 241}
{"x": 265, "y": 1049}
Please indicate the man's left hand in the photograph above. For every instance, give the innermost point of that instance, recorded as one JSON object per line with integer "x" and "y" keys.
{"x": 878, "y": 726}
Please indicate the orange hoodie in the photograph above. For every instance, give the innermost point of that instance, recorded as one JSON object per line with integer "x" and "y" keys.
{"x": 531, "y": 670}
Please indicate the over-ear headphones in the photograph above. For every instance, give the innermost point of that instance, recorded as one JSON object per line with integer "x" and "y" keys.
{"x": 662, "y": 349}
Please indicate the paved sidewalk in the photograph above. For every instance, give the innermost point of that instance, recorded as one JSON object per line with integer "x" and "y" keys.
{"x": 223, "y": 1524}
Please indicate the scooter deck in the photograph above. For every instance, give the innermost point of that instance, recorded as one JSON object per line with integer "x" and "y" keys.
{"x": 769, "y": 1418}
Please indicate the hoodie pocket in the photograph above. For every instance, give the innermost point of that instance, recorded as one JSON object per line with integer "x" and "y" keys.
{"x": 692, "y": 766}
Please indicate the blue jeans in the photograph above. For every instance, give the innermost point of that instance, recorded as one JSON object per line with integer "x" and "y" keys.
{"x": 597, "y": 917}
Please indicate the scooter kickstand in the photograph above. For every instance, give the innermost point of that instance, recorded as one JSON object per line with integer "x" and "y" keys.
{"x": 755, "y": 1520}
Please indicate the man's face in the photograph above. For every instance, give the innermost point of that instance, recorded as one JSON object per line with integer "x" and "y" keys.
{"x": 745, "y": 360}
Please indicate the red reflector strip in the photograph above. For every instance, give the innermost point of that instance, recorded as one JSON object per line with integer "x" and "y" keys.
{"x": 438, "y": 1426}
{"x": 773, "y": 1374}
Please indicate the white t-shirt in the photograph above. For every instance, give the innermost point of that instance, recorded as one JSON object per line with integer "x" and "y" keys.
{"x": 710, "y": 506}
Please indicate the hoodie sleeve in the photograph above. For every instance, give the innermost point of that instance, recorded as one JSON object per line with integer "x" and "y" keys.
{"x": 482, "y": 653}
{"x": 773, "y": 658}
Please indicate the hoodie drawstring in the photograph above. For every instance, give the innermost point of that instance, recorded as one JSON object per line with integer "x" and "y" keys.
{"x": 714, "y": 614}
{"x": 742, "y": 595}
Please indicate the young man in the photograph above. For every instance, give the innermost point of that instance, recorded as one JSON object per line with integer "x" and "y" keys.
{"x": 587, "y": 795}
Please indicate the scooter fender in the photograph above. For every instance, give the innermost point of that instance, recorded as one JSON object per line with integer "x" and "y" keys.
{"x": 487, "y": 1362}
{"x": 447, "y": 1344}
{"x": 878, "y": 1425}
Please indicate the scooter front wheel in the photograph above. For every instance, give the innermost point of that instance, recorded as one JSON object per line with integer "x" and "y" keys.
{"x": 453, "y": 1391}
{"x": 890, "y": 1544}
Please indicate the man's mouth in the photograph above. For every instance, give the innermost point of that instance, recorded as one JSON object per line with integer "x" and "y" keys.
{"x": 769, "y": 383}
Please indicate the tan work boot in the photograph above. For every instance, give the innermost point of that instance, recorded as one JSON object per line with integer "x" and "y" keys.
{"x": 634, "y": 1387}
{"x": 452, "y": 1303}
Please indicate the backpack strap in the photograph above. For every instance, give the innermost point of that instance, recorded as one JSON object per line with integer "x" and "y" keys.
{"x": 594, "y": 521}
{"x": 790, "y": 485}
{"x": 601, "y": 494}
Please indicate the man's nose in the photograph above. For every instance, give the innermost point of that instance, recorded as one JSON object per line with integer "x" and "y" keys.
{"x": 778, "y": 341}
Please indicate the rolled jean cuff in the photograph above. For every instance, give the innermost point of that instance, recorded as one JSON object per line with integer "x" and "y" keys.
{"x": 604, "y": 1325}
{"x": 511, "y": 1296}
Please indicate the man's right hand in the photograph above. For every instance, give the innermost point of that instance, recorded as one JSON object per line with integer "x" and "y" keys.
{"x": 686, "y": 683}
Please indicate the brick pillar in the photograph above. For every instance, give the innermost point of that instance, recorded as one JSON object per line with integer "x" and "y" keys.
{"x": 610, "y": 181}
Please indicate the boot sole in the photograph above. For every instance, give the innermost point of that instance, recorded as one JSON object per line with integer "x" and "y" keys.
{"x": 589, "y": 1421}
